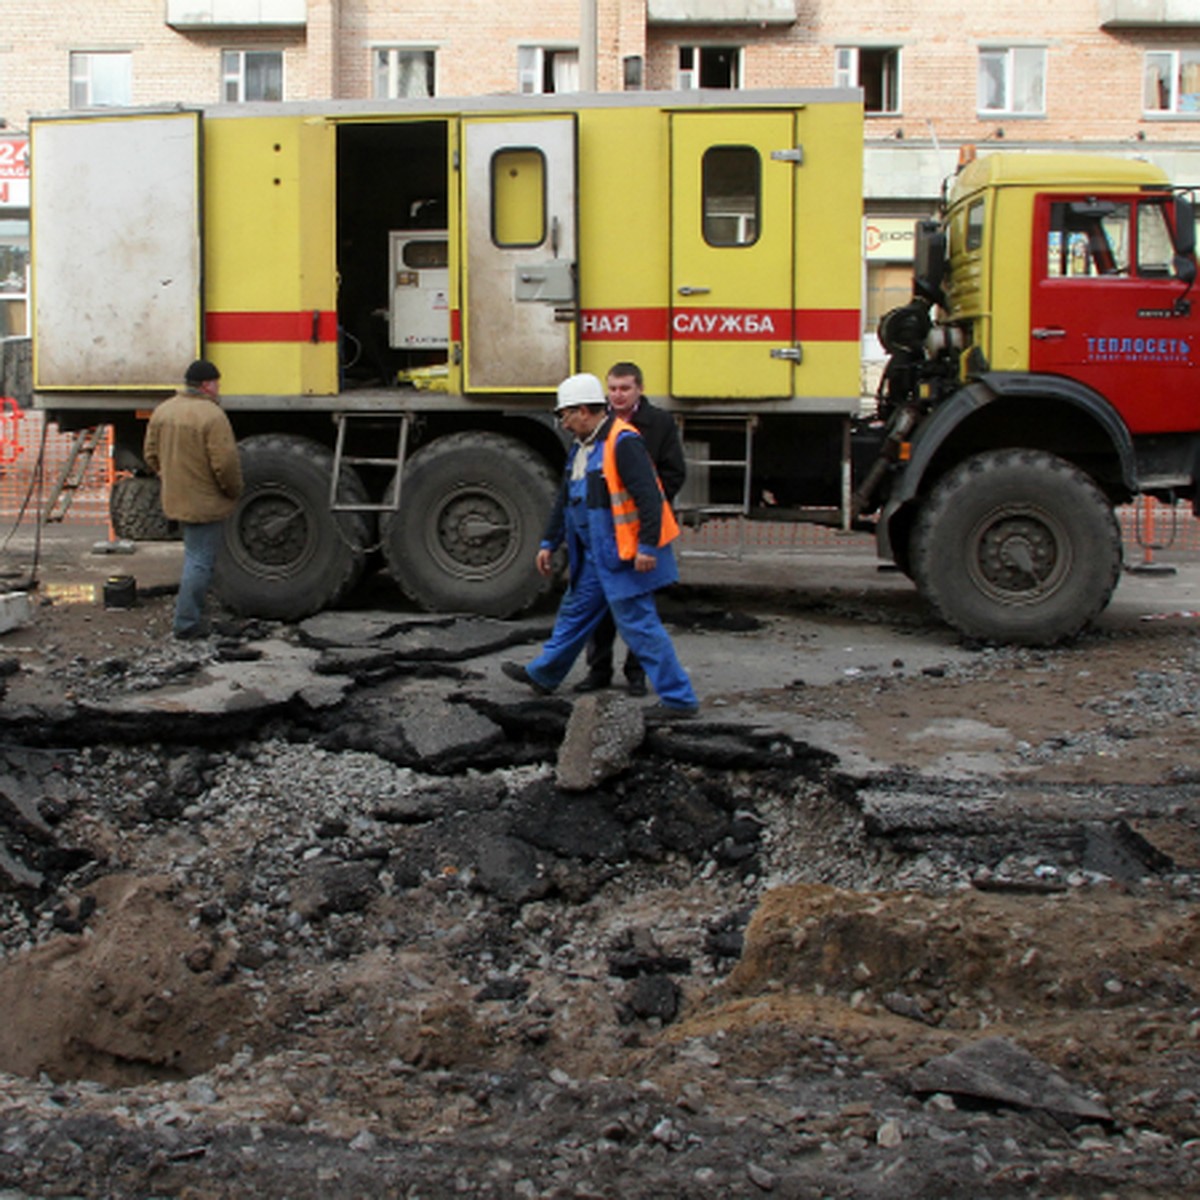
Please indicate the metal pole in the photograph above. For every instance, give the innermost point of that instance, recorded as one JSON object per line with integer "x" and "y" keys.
{"x": 587, "y": 45}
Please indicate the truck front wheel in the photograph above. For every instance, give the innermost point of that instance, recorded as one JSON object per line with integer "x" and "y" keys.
{"x": 1017, "y": 546}
{"x": 472, "y": 510}
{"x": 286, "y": 555}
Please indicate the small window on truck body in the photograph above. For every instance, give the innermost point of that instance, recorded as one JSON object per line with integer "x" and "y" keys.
{"x": 974, "y": 238}
{"x": 732, "y": 195}
{"x": 965, "y": 230}
{"x": 518, "y": 197}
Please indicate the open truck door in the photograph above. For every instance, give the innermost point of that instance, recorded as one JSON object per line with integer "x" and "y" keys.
{"x": 520, "y": 292}
{"x": 117, "y": 303}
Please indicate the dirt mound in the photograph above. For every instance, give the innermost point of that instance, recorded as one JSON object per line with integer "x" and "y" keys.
{"x": 1100, "y": 983}
{"x": 139, "y": 994}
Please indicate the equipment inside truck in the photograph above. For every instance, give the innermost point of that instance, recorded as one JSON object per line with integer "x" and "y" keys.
{"x": 392, "y": 250}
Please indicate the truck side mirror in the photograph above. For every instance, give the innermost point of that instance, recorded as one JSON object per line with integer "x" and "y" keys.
{"x": 929, "y": 262}
{"x": 1185, "y": 225}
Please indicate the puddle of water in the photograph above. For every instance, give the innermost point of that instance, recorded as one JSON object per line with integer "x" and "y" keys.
{"x": 71, "y": 593}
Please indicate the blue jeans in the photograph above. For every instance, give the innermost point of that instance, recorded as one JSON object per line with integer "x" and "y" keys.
{"x": 200, "y": 545}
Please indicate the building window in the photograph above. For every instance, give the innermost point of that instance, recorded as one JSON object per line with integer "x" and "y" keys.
{"x": 248, "y": 75}
{"x": 875, "y": 69}
{"x": 710, "y": 67}
{"x": 1172, "y": 82}
{"x": 402, "y": 73}
{"x": 14, "y": 276}
{"x": 542, "y": 70}
{"x": 731, "y": 187}
{"x": 1012, "y": 79}
{"x": 101, "y": 79}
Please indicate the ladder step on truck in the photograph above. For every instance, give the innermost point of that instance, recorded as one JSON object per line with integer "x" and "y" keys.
{"x": 342, "y": 459}
{"x": 692, "y": 502}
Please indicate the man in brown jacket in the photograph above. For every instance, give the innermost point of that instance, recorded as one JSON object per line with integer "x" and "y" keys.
{"x": 191, "y": 447}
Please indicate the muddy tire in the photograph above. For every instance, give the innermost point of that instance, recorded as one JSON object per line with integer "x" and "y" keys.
{"x": 473, "y": 507}
{"x": 285, "y": 555}
{"x": 135, "y": 510}
{"x": 1017, "y": 546}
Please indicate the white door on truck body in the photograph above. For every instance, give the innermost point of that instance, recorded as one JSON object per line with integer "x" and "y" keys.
{"x": 519, "y": 293}
{"x": 116, "y": 250}
{"x": 732, "y": 254}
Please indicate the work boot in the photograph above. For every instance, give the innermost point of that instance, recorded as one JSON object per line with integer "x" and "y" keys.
{"x": 664, "y": 714}
{"x": 592, "y": 683}
{"x": 521, "y": 675}
{"x": 635, "y": 685}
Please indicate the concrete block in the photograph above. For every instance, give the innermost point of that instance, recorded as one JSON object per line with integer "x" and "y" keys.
{"x": 15, "y": 610}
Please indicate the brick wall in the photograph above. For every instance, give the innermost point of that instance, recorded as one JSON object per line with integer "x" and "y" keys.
{"x": 1094, "y": 88}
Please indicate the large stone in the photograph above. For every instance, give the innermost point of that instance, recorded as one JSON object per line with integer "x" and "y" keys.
{"x": 602, "y": 734}
{"x": 998, "y": 1070}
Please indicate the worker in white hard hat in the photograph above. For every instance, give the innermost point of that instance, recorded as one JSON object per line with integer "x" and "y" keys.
{"x": 617, "y": 526}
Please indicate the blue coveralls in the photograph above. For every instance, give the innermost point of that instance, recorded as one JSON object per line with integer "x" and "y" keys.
{"x": 600, "y": 581}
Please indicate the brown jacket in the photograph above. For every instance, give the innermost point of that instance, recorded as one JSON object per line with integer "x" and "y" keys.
{"x": 190, "y": 445}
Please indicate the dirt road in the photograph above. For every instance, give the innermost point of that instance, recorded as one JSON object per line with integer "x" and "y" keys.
{"x": 897, "y": 917}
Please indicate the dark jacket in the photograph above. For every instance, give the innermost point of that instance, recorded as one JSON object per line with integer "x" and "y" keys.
{"x": 664, "y": 445}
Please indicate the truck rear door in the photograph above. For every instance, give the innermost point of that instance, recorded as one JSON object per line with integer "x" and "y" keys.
{"x": 732, "y": 321}
{"x": 1103, "y": 306}
{"x": 115, "y": 250}
{"x": 519, "y": 293}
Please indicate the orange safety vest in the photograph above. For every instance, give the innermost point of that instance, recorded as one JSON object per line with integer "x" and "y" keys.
{"x": 624, "y": 510}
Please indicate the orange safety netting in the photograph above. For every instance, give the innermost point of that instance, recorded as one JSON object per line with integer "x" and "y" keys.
{"x": 26, "y": 487}
{"x": 1148, "y": 527}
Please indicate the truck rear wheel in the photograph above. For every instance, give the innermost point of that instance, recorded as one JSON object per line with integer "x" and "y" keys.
{"x": 285, "y": 555}
{"x": 472, "y": 510}
{"x": 135, "y": 510}
{"x": 1017, "y": 546}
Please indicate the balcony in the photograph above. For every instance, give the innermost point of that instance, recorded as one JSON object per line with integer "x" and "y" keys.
{"x": 237, "y": 14}
{"x": 720, "y": 12}
{"x": 1149, "y": 14}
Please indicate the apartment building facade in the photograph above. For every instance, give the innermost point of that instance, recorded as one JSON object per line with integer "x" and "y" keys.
{"x": 1115, "y": 76}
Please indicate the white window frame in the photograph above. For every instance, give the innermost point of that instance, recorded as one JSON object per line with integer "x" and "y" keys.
{"x": 392, "y": 65}
{"x": 1018, "y": 99}
{"x": 93, "y": 87}
{"x": 532, "y": 64}
{"x": 236, "y": 79}
{"x": 847, "y": 72}
{"x": 1179, "y": 103}
{"x": 688, "y": 68}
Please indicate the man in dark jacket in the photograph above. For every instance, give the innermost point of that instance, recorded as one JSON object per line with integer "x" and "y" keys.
{"x": 661, "y": 437}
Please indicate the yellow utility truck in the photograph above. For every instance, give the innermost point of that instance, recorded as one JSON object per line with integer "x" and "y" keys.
{"x": 392, "y": 291}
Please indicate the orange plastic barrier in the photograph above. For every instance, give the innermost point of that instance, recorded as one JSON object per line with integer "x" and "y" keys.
{"x": 12, "y": 445}
{"x": 25, "y": 488}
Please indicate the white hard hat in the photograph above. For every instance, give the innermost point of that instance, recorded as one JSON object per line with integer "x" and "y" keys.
{"x": 580, "y": 389}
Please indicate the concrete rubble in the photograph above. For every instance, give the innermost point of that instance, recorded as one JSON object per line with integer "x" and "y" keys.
{"x": 337, "y": 909}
